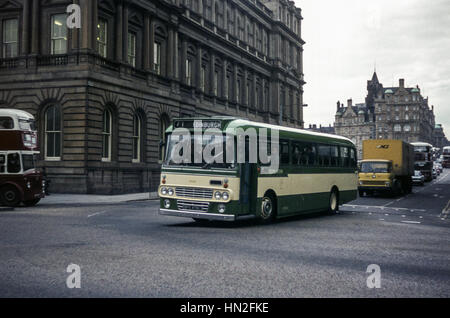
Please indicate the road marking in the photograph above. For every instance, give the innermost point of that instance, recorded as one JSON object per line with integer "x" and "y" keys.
{"x": 353, "y": 206}
{"x": 445, "y": 211}
{"x": 98, "y": 213}
{"x": 411, "y": 222}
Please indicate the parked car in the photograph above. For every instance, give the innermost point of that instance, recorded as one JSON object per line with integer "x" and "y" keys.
{"x": 434, "y": 173}
{"x": 418, "y": 178}
{"x": 439, "y": 166}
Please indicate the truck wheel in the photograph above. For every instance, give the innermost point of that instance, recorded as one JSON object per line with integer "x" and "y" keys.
{"x": 10, "y": 196}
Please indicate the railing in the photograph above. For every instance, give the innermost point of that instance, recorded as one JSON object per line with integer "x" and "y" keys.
{"x": 112, "y": 65}
{"x": 9, "y": 62}
{"x": 52, "y": 60}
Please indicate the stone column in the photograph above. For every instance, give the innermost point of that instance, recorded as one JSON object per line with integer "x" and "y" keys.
{"x": 146, "y": 43}
{"x": 119, "y": 30}
{"x": 26, "y": 27}
{"x": 199, "y": 67}
{"x": 170, "y": 54}
{"x": 76, "y": 32}
{"x": 35, "y": 28}
{"x": 94, "y": 23}
{"x": 224, "y": 88}
{"x": 183, "y": 61}
{"x": 176, "y": 68}
{"x": 87, "y": 27}
{"x": 235, "y": 83}
{"x": 212, "y": 73}
{"x": 125, "y": 33}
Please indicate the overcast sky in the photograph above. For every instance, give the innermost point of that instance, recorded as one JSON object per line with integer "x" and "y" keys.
{"x": 407, "y": 39}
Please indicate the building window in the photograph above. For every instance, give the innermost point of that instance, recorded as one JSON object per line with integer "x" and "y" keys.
{"x": 406, "y": 116}
{"x": 157, "y": 57}
{"x": 59, "y": 34}
{"x": 106, "y": 136}
{"x": 407, "y": 128}
{"x": 102, "y": 38}
{"x": 137, "y": 129}
{"x": 397, "y": 128}
{"x": 188, "y": 72}
{"x": 10, "y": 38}
{"x": 53, "y": 133}
{"x": 132, "y": 49}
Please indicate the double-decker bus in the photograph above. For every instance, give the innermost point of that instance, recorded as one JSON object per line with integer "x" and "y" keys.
{"x": 446, "y": 157}
{"x": 316, "y": 172}
{"x": 20, "y": 181}
{"x": 423, "y": 160}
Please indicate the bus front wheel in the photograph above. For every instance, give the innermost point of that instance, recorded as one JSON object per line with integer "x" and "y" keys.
{"x": 10, "y": 196}
{"x": 268, "y": 209}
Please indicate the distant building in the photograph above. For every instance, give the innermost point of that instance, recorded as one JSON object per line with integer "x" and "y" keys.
{"x": 440, "y": 140}
{"x": 388, "y": 113}
{"x": 323, "y": 129}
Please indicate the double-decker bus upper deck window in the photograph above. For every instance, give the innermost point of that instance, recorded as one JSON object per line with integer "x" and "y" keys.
{"x": 6, "y": 123}
{"x": 27, "y": 124}
{"x": 13, "y": 163}
{"x": 2, "y": 164}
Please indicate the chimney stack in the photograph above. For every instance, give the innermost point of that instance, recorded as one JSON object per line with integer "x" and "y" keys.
{"x": 402, "y": 83}
{"x": 349, "y": 102}
{"x": 338, "y": 104}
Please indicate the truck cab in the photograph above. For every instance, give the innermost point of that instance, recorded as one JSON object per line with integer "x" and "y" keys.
{"x": 375, "y": 175}
{"x": 387, "y": 166}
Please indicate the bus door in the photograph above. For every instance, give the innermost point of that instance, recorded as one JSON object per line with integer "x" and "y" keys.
{"x": 249, "y": 184}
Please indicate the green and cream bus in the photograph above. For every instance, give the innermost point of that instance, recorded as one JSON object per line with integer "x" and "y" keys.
{"x": 316, "y": 172}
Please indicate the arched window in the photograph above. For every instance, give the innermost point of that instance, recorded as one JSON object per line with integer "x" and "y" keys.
{"x": 53, "y": 133}
{"x": 163, "y": 125}
{"x": 106, "y": 135}
{"x": 137, "y": 138}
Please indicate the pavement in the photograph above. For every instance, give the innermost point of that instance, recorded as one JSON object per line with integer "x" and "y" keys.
{"x": 92, "y": 199}
{"x": 129, "y": 250}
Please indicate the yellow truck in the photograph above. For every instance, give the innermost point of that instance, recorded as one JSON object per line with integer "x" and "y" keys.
{"x": 387, "y": 166}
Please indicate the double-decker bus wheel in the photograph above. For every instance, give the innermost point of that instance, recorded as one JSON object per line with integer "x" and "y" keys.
{"x": 10, "y": 196}
{"x": 31, "y": 202}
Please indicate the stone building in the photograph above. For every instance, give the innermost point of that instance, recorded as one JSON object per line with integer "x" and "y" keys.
{"x": 322, "y": 129}
{"x": 103, "y": 94}
{"x": 388, "y": 113}
{"x": 439, "y": 138}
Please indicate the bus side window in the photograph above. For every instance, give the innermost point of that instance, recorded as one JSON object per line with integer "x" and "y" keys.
{"x": 334, "y": 156}
{"x": 352, "y": 158}
{"x": 324, "y": 155}
{"x": 296, "y": 153}
{"x": 2, "y": 163}
{"x": 284, "y": 152}
{"x": 344, "y": 157}
{"x": 13, "y": 163}
{"x": 312, "y": 154}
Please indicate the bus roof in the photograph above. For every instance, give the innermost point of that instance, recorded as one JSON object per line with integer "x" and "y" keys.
{"x": 421, "y": 144}
{"x": 15, "y": 113}
{"x": 233, "y": 123}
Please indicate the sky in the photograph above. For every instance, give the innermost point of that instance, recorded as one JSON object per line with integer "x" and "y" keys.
{"x": 347, "y": 39}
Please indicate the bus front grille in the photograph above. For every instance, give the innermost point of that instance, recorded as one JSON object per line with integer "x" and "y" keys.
{"x": 197, "y": 193}
{"x": 195, "y": 206}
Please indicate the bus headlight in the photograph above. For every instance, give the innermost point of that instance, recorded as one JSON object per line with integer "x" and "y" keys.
{"x": 170, "y": 191}
{"x": 164, "y": 191}
{"x": 221, "y": 208}
{"x": 218, "y": 195}
{"x": 167, "y": 203}
{"x": 225, "y": 196}
{"x": 360, "y": 183}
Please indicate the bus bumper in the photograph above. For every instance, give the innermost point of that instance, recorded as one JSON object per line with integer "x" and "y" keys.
{"x": 206, "y": 216}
